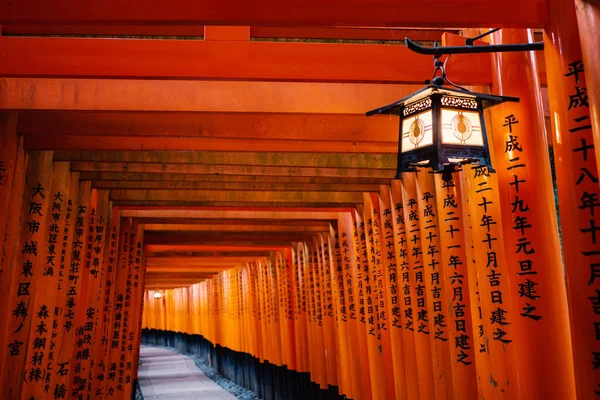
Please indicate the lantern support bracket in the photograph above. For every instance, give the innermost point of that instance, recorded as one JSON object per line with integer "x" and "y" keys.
{"x": 471, "y": 41}
{"x": 494, "y": 48}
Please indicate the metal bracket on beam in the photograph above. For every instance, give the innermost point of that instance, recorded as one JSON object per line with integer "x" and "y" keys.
{"x": 449, "y": 50}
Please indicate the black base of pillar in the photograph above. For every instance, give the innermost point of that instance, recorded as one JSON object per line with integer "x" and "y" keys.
{"x": 266, "y": 380}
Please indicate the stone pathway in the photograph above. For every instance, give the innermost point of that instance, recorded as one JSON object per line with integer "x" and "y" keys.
{"x": 164, "y": 374}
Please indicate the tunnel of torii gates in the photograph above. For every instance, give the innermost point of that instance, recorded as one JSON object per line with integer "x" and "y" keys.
{"x": 218, "y": 153}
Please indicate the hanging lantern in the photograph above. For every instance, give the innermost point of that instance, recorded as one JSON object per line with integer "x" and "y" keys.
{"x": 158, "y": 295}
{"x": 442, "y": 128}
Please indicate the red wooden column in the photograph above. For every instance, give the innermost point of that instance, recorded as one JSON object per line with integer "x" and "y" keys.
{"x": 301, "y": 313}
{"x": 378, "y": 287}
{"x": 107, "y": 290}
{"x": 139, "y": 279}
{"x": 418, "y": 308}
{"x": 12, "y": 179}
{"x": 40, "y": 379}
{"x": 96, "y": 250}
{"x": 437, "y": 300}
{"x": 340, "y": 297}
{"x": 63, "y": 349}
{"x": 496, "y": 334}
{"x": 26, "y": 268}
{"x": 367, "y": 308}
{"x": 116, "y": 366}
{"x": 319, "y": 362}
{"x": 406, "y": 290}
{"x": 454, "y": 263}
{"x": 392, "y": 291}
{"x": 588, "y": 20}
{"x": 542, "y": 338}
{"x": 356, "y": 332}
{"x": 578, "y": 189}
{"x": 87, "y": 314}
{"x": 331, "y": 351}
{"x": 479, "y": 320}
{"x": 9, "y": 150}
{"x": 134, "y": 292}
{"x": 73, "y": 287}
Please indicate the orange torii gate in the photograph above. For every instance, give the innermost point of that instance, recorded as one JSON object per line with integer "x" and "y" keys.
{"x": 232, "y": 191}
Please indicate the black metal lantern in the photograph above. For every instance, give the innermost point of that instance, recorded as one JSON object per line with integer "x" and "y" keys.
{"x": 442, "y": 128}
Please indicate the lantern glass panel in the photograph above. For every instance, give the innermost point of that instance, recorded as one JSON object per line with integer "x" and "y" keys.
{"x": 417, "y": 131}
{"x": 461, "y": 127}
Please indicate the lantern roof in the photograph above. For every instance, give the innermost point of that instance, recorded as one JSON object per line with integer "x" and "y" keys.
{"x": 487, "y": 100}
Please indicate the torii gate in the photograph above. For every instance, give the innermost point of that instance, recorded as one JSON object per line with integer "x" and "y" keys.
{"x": 219, "y": 142}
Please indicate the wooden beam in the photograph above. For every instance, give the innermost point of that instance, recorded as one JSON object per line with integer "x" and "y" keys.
{"x": 208, "y": 131}
{"x": 361, "y": 161}
{"x": 236, "y": 186}
{"x": 206, "y": 169}
{"x": 175, "y": 279}
{"x": 210, "y": 247}
{"x": 233, "y": 228}
{"x": 175, "y": 196}
{"x": 476, "y": 13}
{"x": 244, "y": 60}
{"x": 38, "y": 141}
{"x": 210, "y": 213}
{"x": 220, "y": 203}
{"x": 386, "y": 34}
{"x": 197, "y": 31}
{"x": 214, "y": 253}
{"x": 174, "y": 275}
{"x": 198, "y": 261}
{"x": 176, "y": 269}
{"x": 225, "y": 238}
{"x": 202, "y": 96}
{"x": 309, "y": 127}
{"x": 287, "y": 223}
{"x": 163, "y": 286}
{"x": 100, "y": 178}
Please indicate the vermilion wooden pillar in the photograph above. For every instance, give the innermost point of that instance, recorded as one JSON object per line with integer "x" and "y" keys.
{"x": 139, "y": 277}
{"x": 530, "y": 228}
{"x": 9, "y": 149}
{"x": 478, "y": 339}
{"x": 393, "y": 291}
{"x": 496, "y": 335}
{"x": 87, "y": 316}
{"x": 331, "y": 350}
{"x": 300, "y": 332}
{"x": 434, "y": 272}
{"x": 576, "y": 178}
{"x": 26, "y": 269}
{"x": 41, "y": 378}
{"x": 114, "y": 383}
{"x": 357, "y": 333}
{"x": 131, "y": 335}
{"x": 341, "y": 317}
{"x": 588, "y": 20}
{"x": 73, "y": 287}
{"x": 405, "y": 288}
{"x": 417, "y": 305}
{"x": 317, "y": 316}
{"x": 454, "y": 263}
{"x": 101, "y": 350}
{"x": 367, "y": 309}
{"x": 12, "y": 178}
{"x": 63, "y": 350}
{"x": 373, "y": 234}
